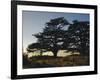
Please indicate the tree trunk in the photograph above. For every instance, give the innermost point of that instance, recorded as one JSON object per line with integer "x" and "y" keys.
{"x": 55, "y": 53}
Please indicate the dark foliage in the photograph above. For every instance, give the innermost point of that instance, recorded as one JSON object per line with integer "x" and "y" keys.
{"x": 54, "y": 37}
{"x": 51, "y": 39}
{"x": 78, "y": 37}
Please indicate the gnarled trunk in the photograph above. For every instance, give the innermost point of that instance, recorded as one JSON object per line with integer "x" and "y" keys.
{"x": 55, "y": 53}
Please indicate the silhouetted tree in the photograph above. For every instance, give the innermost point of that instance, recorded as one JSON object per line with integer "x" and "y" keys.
{"x": 55, "y": 37}
{"x": 78, "y": 37}
{"x": 52, "y": 37}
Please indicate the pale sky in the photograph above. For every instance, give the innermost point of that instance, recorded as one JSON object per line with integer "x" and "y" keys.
{"x": 34, "y": 21}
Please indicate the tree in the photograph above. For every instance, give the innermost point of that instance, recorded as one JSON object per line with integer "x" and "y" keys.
{"x": 52, "y": 37}
{"x": 78, "y": 37}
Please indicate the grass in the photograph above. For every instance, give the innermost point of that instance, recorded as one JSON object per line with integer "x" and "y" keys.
{"x": 50, "y": 61}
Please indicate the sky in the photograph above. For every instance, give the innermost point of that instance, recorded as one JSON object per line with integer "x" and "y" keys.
{"x": 34, "y": 21}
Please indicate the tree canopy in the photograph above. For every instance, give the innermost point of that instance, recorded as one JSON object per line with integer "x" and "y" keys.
{"x": 78, "y": 37}
{"x": 54, "y": 37}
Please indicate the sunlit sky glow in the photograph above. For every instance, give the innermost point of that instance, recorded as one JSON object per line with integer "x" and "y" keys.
{"x": 34, "y": 21}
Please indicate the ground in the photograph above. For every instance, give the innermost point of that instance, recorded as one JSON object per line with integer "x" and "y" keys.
{"x": 50, "y": 61}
